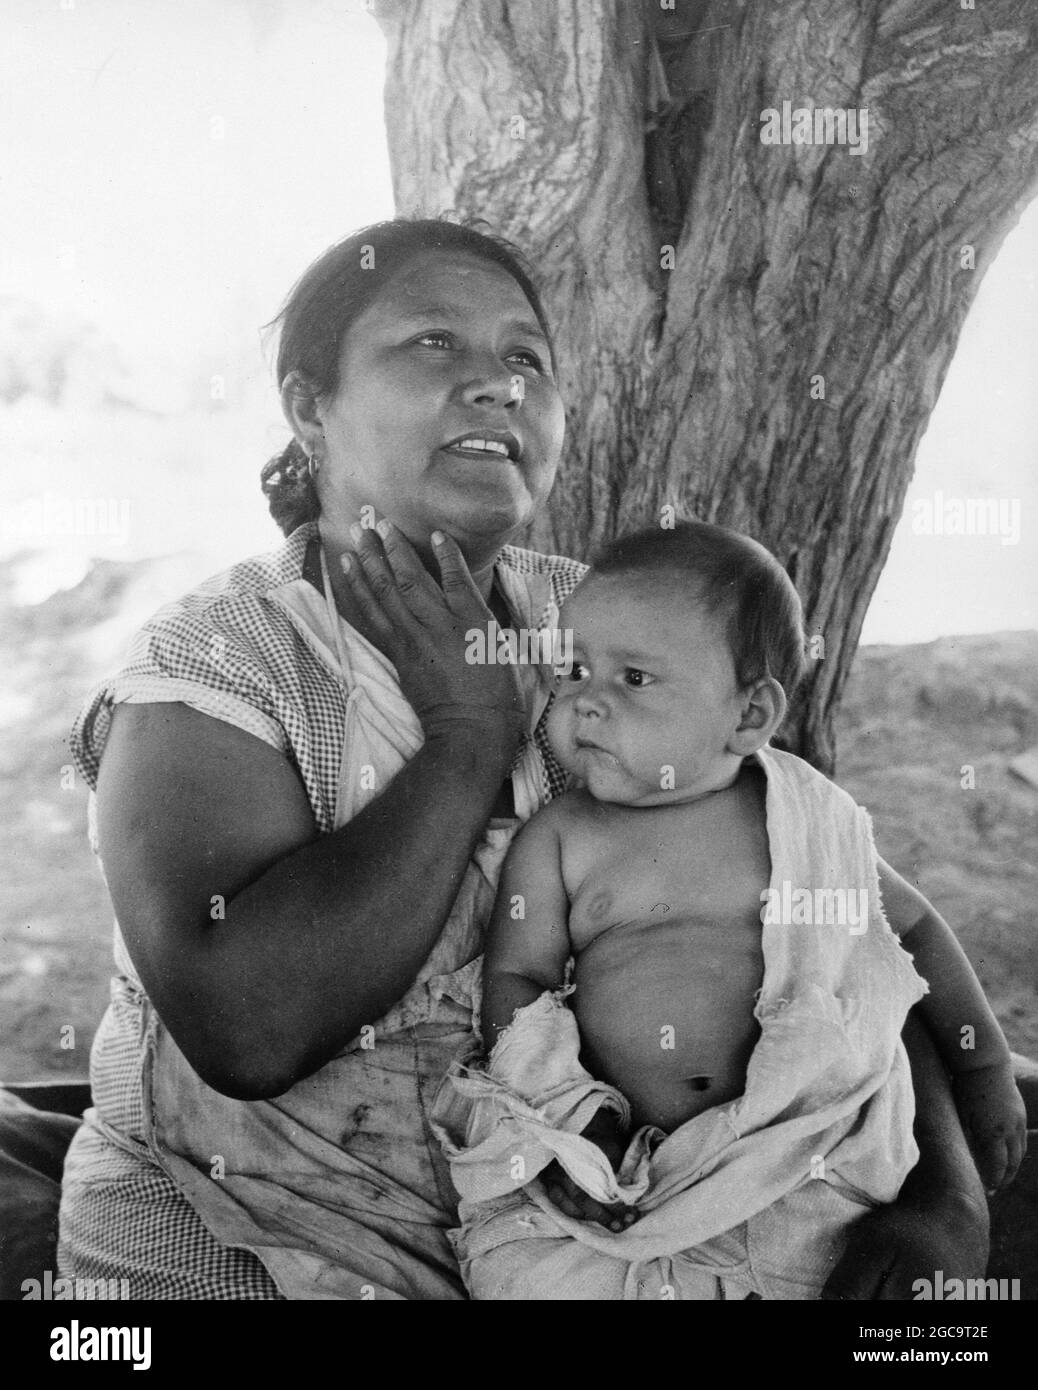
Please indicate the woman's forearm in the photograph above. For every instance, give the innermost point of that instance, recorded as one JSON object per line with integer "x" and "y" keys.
{"x": 266, "y": 948}
{"x": 940, "y": 1218}
{"x": 345, "y": 923}
{"x": 945, "y": 1171}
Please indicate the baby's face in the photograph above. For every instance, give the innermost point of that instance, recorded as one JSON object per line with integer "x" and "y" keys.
{"x": 645, "y": 715}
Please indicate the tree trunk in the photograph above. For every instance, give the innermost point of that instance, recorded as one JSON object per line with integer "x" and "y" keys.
{"x": 777, "y": 371}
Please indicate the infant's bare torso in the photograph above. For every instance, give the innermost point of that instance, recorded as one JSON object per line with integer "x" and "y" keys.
{"x": 666, "y": 930}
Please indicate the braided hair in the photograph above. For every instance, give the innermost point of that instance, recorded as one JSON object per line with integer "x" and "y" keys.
{"x": 326, "y": 302}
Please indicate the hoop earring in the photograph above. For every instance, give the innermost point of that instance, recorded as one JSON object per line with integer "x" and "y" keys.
{"x": 313, "y": 465}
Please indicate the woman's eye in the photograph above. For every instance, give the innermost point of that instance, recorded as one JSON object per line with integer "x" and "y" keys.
{"x": 436, "y": 338}
{"x": 528, "y": 357}
{"x": 637, "y": 679}
{"x": 577, "y": 672}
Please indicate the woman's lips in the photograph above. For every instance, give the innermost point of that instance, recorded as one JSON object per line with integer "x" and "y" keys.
{"x": 483, "y": 445}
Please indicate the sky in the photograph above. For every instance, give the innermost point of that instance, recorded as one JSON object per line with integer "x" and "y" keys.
{"x": 168, "y": 168}
{"x": 184, "y": 159}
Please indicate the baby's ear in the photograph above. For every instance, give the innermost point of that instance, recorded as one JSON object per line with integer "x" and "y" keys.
{"x": 763, "y": 710}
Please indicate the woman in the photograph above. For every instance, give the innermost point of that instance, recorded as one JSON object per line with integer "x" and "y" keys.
{"x": 304, "y": 793}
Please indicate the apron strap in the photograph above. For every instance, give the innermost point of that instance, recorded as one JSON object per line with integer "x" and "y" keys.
{"x": 335, "y": 622}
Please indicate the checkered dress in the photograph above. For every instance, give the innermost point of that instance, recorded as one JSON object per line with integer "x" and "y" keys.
{"x": 228, "y": 650}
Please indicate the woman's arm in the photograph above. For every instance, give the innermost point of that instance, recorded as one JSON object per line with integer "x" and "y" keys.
{"x": 264, "y": 946}
{"x": 945, "y": 1170}
{"x": 940, "y": 1219}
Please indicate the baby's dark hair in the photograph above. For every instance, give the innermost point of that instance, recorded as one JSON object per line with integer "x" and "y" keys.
{"x": 331, "y": 296}
{"x": 738, "y": 579}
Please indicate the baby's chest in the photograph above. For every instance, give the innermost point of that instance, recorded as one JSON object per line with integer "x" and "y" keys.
{"x": 691, "y": 887}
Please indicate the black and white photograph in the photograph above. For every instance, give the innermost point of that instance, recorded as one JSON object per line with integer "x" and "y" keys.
{"x": 519, "y": 578}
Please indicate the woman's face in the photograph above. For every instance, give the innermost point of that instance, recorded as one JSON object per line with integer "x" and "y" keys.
{"x": 447, "y": 414}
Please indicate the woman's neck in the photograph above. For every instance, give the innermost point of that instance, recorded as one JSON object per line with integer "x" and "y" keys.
{"x": 334, "y": 546}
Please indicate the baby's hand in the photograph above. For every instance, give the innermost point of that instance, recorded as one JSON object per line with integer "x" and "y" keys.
{"x": 604, "y": 1130}
{"x": 573, "y": 1201}
{"x": 993, "y": 1117}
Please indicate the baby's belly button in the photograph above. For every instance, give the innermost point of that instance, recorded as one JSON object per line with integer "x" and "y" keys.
{"x": 671, "y": 1026}
{"x": 661, "y": 1095}
{"x": 699, "y": 1060}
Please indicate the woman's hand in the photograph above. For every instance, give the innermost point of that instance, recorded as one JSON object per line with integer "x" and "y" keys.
{"x": 940, "y": 1219}
{"x": 892, "y": 1248}
{"x": 420, "y": 626}
{"x": 319, "y": 934}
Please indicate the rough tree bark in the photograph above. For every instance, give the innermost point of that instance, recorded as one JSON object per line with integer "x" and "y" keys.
{"x": 596, "y": 132}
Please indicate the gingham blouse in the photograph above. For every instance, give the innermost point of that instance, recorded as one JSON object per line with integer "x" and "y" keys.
{"x": 228, "y": 651}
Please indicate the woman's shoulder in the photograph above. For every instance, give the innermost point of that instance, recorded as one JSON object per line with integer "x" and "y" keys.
{"x": 225, "y": 649}
{"x": 240, "y": 588}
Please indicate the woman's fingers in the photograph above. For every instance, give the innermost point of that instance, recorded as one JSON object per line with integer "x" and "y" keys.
{"x": 414, "y": 582}
{"x": 402, "y": 583}
{"x": 366, "y": 601}
{"x": 379, "y": 575}
{"x": 1017, "y": 1150}
{"x": 422, "y": 631}
{"x": 455, "y": 578}
{"x": 395, "y": 572}
{"x": 992, "y": 1162}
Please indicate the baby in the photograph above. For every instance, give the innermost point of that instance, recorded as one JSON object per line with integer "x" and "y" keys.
{"x": 697, "y": 968}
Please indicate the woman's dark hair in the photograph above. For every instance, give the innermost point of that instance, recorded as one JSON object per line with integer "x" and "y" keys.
{"x": 737, "y": 578}
{"x": 331, "y": 296}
